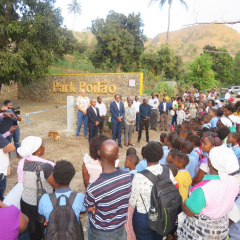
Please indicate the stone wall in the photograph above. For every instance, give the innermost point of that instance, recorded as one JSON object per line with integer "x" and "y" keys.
{"x": 9, "y": 92}
{"x": 56, "y": 88}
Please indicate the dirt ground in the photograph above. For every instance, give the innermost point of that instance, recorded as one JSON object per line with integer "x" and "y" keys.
{"x": 69, "y": 148}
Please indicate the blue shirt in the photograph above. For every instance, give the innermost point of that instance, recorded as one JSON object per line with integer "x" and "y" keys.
{"x": 125, "y": 169}
{"x": 236, "y": 151}
{"x": 45, "y": 205}
{"x": 195, "y": 154}
{"x": 165, "y": 148}
{"x": 163, "y": 160}
{"x": 234, "y": 229}
{"x": 192, "y": 165}
{"x": 142, "y": 165}
{"x": 145, "y": 111}
{"x": 133, "y": 171}
{"x": 214, "y": 122}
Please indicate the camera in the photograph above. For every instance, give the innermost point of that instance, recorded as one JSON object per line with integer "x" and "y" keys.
{"x": 15, "y": 122}
{"x": 16, "y": 111}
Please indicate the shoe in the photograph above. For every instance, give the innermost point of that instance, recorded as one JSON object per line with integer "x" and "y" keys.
{"x": 137, "y": 130}
{"x": 138, "y": 141}
{"x": 147, "y": 141}
{"x": 120, "y": 145}
{"x": 77, "y": 137}
{"x": 86, "y": 136}
{"x": 155, "y": 129}
{"x": 126, "y": 145}
{"x": 161, "y": 129}
{"x": 166, "y": 130}
{"x": 151, "y": 128}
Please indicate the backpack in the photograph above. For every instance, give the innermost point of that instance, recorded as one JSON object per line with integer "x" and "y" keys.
{"x": 166, "y": 203}
{"x": 63, "y": 223}
{"x": 201, "y": 156}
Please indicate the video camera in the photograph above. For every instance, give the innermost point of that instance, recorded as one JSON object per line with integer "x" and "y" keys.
{"x": 16, "y": 111}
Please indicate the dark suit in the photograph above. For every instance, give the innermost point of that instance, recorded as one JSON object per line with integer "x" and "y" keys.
{"x": 164, "y": 116}
{"x": 116, "y": 125}
{"x": 92, "y": 119}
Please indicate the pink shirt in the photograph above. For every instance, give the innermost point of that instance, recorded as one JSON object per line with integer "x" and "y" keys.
{"x": 94, "y": 168}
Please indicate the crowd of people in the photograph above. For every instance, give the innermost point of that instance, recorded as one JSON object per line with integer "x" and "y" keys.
{"x": 184, "y": 185}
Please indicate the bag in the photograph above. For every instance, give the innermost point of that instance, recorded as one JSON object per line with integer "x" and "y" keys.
{"x": 172, "y": 112}
{"x": 201, "y": 156}
{"x": 166, "y": 203}
{"x": 63, "y": 223}
{"x": 233, "y": 128}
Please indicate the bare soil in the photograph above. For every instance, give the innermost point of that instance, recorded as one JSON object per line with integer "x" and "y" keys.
{"x": 69, "y": 148}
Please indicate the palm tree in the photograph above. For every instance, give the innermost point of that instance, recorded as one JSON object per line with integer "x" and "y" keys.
{"x": 75, "y": 8}
{"x": 162, "y": 3}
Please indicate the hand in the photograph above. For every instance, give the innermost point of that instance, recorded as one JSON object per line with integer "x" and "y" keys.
{"x": 119, "y": 119}
{"x": 102, "y": 116}
{"x": 137, "y": 113}
{"x": 92, "y": 209}
{"x": 97, "y": 123}
{"x": 45, "y": 223}
{"x": 9, "y": 115}
{"x": 4, "y": 108}
{"x": 151, "y": 106}
{"x": 13, "y": 129}
{"x": 132, "y": 121}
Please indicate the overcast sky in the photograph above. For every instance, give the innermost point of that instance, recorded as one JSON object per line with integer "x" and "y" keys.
{"x": 155, "y": 20}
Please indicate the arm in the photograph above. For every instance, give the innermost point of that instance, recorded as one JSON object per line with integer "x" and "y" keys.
{"x": 19, "y": 118}
{"x": 85, "y": 175}
{"x": 198, "y": 178}
{"x": 9, "y": 148}
{"x": 161, "y": 107}
{"x": 105, "y": 110}
{"x": 123, "y": 113}
{"x": 23, "y": 222}
{"x": 112, "y": 111}
{"x": 149, "y": 112}
{"x": 141, "y": 111}
{"x": 89, "y": 114}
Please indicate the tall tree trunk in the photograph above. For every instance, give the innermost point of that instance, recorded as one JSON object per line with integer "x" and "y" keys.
{"x": 118, "y": 67}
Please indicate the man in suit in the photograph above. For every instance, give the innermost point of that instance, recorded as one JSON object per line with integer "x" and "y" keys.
{"x": 93, "y": 120}
{"x": 164, "y": 108}
{"x": 117, "y": 111}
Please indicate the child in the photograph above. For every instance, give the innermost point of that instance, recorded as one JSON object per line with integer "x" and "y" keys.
{"x": 162, "y": 138}
{"x": 187, "y": 148}
{"x": 183, "y": 177}
{"x": 179, "y": 143}
{"x": 131, "y": 163}
{"x": 187, "y": 115}
{"x": 196, "y": 152}
{"x": 194, "y": 120}
{"x": 63, "y": 174}
{"x": 185, "y": 134}
{"x": 206, "y": 121}
{"x": 213, "y": 113}
{"x": 171, "y": 156}
{"x": 233, "y": 139}
{"x": 180, "y": 115}
{"x": 130, "y": 151}
{"x": 142, "y": 165}
{"x": 194, "y": 126}
{"x": 185, "y": 126}
{"x": 173, "y": 168}
{"x": 219, "y": 113}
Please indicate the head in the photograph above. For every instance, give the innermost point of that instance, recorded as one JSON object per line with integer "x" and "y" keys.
{"x": 224, "y": 122}
{"x": 164, "y": 99}
{"x": 179, "y": 100}
{"x": 187, "y": 147}
{"x": 171, "y": 156}
{"x": 179, "y": 107}
{"x": 212, "y": 112}
{"x": 194, "y": 126}
{"x": 130, "y": 102}
{"x": 131, "y": 151}
{"x": 108, "y": 154}
{"x": 233, "y": 138}
{"x": 117, "y": 98}
{"x": 172, "y": 99}
{"x": 8, "y": 104}
{"x": 192, "y": 100}
{"x": 142, "y": 152}
{"x": 164, "y": 94}
{"x": 153, "y": 95}
{"x": 184, "y": 134}
{"x": 223, "y": 132}
{"x": 210, "y": 142}
{"x": 145, "y": 101}
{"x": 207, "y": 118}
{"x": 219, "y": 113}
{"x": 153, "y": 152}
{"x": 128, "y": 98}
{"x": 194, "y": 120}
{"x": 181, "y": 160}
{"x": 229, "y": 110}
{"x": 179, "y": 143}
{"x": 99, "y": 99}
{"x": 83, "y": 92}
{"x": 93, "y": 102}
{"x": 131, "y": 161}
{"x": 136, "y": 98}
{"x": 63, "y": 173}
{"x": 170, "y": 139}
{"x": 162, "y": 137}
{"x": 195, "y": 140}
{"x": 173, "y": 168}
{"x": 211, "y": 103}
{"x": 187, "y": 111}
{"x": 31, "y": 146}
{"x": 95, "y": 145}
{"x": 185, "y": 126}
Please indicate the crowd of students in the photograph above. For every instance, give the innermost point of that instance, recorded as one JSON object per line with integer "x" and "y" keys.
{"x": 198, "y": 159}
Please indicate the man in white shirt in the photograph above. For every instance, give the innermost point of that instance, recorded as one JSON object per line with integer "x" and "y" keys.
{"x": 227, "y": 95}
{"x": 185, "y": 94}
{"x": 136, "y": 105}
{"x": 102, "y": 111}
{"x": 154, "y": 103}
{"x": 196, "y": 96}
{"x": 83, "y": 104}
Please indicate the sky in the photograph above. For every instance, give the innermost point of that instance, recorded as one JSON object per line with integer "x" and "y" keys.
{"x": 154, "y": 19}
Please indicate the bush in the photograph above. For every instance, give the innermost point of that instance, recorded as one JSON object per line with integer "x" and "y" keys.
{"x": 165, "y": 87}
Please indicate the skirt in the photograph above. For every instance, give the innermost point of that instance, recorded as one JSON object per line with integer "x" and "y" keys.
{"x": 201, "y": 227}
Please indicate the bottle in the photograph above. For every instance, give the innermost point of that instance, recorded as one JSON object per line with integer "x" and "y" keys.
{"x": 152, "y": 214}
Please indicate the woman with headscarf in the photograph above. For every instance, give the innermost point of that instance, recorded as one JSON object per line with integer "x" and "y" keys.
{"x": 210, "y": 201}
{"x": 209, "y": 141}
{"x": 32, "y": 149}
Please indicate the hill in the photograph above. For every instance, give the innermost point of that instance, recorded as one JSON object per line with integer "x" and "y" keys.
{"x": 187, "y": 42}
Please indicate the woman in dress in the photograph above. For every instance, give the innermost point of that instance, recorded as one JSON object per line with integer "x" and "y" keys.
{"x": 129, "y": 120}
{"x": 32, "y": 149}
{"x": 193, "y": 107}
{"x": 210, "y": 201}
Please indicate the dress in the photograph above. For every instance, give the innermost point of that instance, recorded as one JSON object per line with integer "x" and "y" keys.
{"x": 192, "y": 109}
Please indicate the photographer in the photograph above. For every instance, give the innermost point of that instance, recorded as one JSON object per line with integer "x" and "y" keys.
{"x": 15, "y": 134}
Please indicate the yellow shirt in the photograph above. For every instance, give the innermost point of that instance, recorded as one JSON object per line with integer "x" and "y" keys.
{"x": 184, "y": 181}
{"x": 236, "y": 114}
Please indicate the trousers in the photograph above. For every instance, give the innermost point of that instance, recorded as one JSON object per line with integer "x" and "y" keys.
{"x": 141, "y": 124}
{"x": 137, "y": 121}
{"x": 128, "y": 131}
{"x": 93, "y": 132}
{"x": 84, "y": 119}
{"x": 164, "y": 121}
{"x": 101, "y": 124}
{"x": 3, "y": 184}
{"x": 117, "y": 131}
{"x": 154, "y": 115}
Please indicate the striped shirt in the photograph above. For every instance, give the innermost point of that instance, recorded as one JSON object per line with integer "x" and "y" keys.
{"x": 110, "y": 195}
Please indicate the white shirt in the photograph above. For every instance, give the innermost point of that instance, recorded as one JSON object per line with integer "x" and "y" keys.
{"x": 83, "y": 102}
{"x": 94, "y": 110}
{"x": 185, "y": 94}
{"x": 136, "y": 105}
{"x": 234, "y": 119}
{"x": 102, "y": 108}
{"x": 180, "y": 114}
{"x": 164, "y": 106}
{"x": 4, "y": 162}
{"x": 118, "y": 104}
{"x": 153, "y": 103}
{"x": 227, "y": 95}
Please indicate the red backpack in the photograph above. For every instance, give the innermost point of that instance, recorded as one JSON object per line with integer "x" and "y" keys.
{"x": 201, "y": 156}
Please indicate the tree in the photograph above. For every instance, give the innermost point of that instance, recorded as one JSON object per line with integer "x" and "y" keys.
{"x": 29, "y": 32}
{"x": 120, "y": 40}
{"x": 75, "y": 8}
{"x": 236, "y": 69}
{"x": 222, "y": 63}
{"x": 202, "y": 75}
